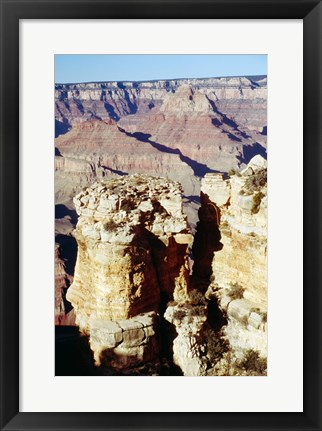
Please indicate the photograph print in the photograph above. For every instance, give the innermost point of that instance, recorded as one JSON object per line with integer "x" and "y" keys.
{"x": 160, "y": 215}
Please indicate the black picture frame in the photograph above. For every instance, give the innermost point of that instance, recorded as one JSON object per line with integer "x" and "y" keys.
{"x": 14, "y": 10}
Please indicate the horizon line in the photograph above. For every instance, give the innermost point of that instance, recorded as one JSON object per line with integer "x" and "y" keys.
{"x": 160, "y": 79}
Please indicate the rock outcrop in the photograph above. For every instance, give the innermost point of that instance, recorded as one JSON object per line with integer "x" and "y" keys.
{"x": 132, "y": 241}
{"x": 189, "y": 346}
{"x": 132, "y": 274}
{"x": 239, "y": 268}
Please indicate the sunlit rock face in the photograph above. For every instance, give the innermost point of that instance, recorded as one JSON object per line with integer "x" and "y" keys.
{"x": 132, "y": 241}
{"x": 190, "y": 346}
{"x": 180, "y": 128}
{"x": 239, "y": 268}
{"x": 242, "y": 98}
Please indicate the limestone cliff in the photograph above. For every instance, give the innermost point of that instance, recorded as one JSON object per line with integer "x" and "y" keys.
{"x": 237, "y": 271}
{"x": 132, "y": 241}
{"x": 132, "y": 274}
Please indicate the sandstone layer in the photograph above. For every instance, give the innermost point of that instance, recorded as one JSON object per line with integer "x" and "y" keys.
{"x": 132, "y": 241}
{"x": 239, "y": 268}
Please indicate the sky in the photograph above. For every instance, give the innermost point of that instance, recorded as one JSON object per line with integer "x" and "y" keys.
{"x": 137, "y": 67}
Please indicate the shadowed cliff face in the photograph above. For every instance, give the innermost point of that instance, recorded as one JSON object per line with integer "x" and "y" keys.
{"x": 206, "y": 243}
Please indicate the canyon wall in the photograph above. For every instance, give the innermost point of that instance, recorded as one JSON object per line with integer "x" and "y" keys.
{"x": 177, "y": 128}
{"x": 236, "y": 96}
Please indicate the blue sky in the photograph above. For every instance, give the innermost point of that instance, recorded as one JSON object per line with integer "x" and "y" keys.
{"x": 134, "y": 67}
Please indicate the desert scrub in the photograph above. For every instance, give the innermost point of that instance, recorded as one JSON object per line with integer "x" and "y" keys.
{"x": 252, "y": 364}
{"x": 236, "y": 291}
{"x": 255, "y": 182}
{"x": 257, "y": 199}
{"x": 217, "y": 345}
{"x": 110, "y": 225}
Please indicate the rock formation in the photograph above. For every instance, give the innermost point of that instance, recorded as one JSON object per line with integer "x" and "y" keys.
{"x": 132, "y": 241}
{"x": 132, "y": 274}
{"x": 239, "y": 268}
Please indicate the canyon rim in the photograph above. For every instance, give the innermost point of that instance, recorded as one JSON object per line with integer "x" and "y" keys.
{"x": 161, "y": 226}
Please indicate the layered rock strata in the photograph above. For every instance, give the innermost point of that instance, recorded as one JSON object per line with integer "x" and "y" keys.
{"x": 190, "y": 345}
{"x": 180, "y": 128}
{"x": 237, "y": 97}
{"x": 132, "y": 241}
{"x": 239, "y": 268}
